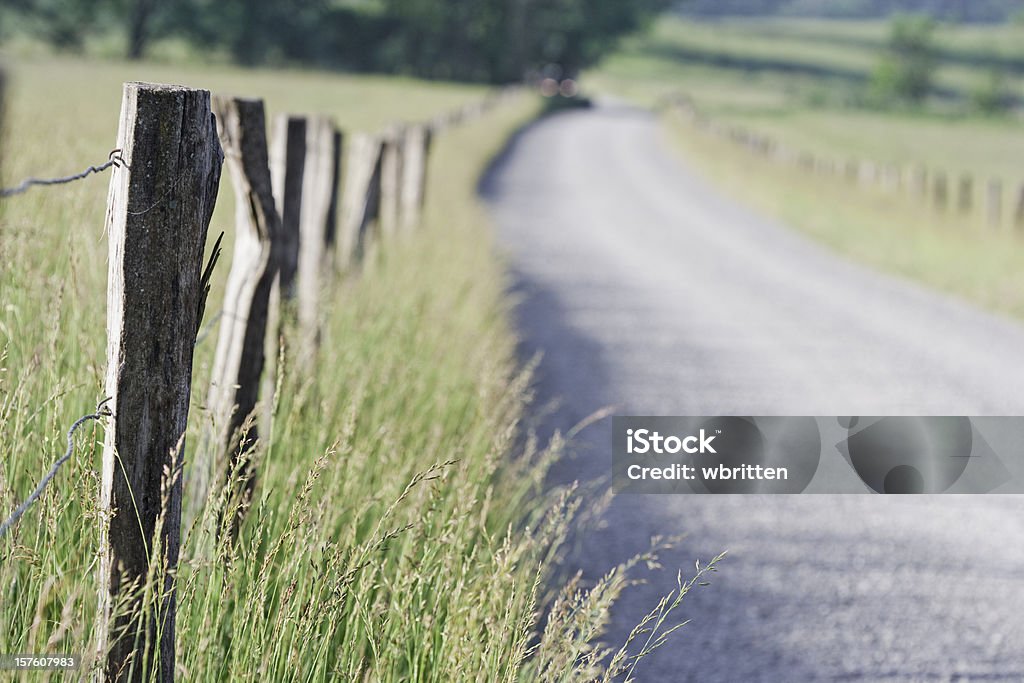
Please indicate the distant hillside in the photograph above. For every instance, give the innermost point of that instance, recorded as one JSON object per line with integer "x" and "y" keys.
{"x": 951, "y": 10}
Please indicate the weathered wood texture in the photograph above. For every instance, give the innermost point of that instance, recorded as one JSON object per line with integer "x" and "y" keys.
{"x": 994, "y": 202}
{"x": 415, "y": 153}
{"x": 390, "y": 182}
{"x": 317, "y": 222}
{"x": 158, "y": 213}
{"x": 239, "y": 360}
{"x": 360, "y": 199}
{"x": 287, "y": 168}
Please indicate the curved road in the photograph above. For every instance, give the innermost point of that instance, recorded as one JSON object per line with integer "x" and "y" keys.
{"x": 647, "y": 289}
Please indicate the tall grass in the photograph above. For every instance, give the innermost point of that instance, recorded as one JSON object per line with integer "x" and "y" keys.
{"x": 400, "y": 529}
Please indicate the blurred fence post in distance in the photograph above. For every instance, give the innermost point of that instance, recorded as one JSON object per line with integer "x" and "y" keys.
{"x": 851, "y": 170}
{"x": 316, "y": 224}
{"x": 994, "y": 202}
{"x": 965, "y": 194}
{"x": 360, "y": 199}
{"x": 158, "y": 213}
{"x": 1018, "y": 212}
{"x": 390, "y": 181}
{"x": 891, "y": 178}
{"x": 916, "y": 181}
{"x": 867, "y": 173}
{"x": 287, "y": 164}
{"x": 3, "y": 82}
{"x": 239, "y": 360}
{"x": 415, "y": 154}
{"x": 940, "y": 191}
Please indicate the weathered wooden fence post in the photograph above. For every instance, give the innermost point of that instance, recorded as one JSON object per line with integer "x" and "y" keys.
{"x": 415, "y": 152}
{"x": 390, "y": 181}
{"x": 360, "y": 198}
{"x": 287, "y": 166}
{"x": 239, "y": 360}
{"x": 317, "y": 222}
{"x": 287, "y": 159}
{"x": 158, "y": 213}
{"x": 965, "y": 194}
{"x": 940, "y": 190}
{"x": 994, "y": 202}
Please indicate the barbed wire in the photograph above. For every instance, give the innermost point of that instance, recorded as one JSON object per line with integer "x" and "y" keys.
{"x": 101, "y": 412}
{"x": 113, "y": 159}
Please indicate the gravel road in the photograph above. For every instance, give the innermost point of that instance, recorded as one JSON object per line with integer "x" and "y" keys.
{"x": 646, "y": 288}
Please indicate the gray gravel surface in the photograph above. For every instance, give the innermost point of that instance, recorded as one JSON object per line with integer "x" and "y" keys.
{"x": 646, "y": 288}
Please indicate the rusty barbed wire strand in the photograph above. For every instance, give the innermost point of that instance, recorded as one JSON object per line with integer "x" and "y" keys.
{"x": 113, "y": 159}
{"x": 101, "y": 412}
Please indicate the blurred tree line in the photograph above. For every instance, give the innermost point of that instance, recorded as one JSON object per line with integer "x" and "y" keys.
{"x": 475, "y": 40}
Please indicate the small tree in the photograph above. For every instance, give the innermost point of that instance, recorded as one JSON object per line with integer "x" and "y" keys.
{"x": 992, "y": 94}
{"x": 907, "y": 69}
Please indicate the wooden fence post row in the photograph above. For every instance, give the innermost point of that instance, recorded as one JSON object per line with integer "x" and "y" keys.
{"x": 914, "y": 179}
{"x": 158, "y": 213}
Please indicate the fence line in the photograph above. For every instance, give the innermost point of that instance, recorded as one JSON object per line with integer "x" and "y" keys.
{"x": 287, "y": 194}
{"x": 113, "y": 159}
{"x": 915, "y": 181}
{"x": 101, "y": 412}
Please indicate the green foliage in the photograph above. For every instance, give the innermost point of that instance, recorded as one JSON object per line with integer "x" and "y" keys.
{"x": 906, "y": 71}
{"x": 992, "y": 94}
{"x": 64, "y": 24}
{"x": 471, "y": 40}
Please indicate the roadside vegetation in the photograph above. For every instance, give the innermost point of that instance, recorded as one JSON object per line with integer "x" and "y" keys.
{"x": 905, "y": 93}
{"x": 400, "y": 529}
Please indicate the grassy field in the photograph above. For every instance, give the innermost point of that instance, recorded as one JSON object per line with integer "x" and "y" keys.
{"x": 786, "y": 78}
{"x": 399, "y": 530}
{"x": 795, "y": 80}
